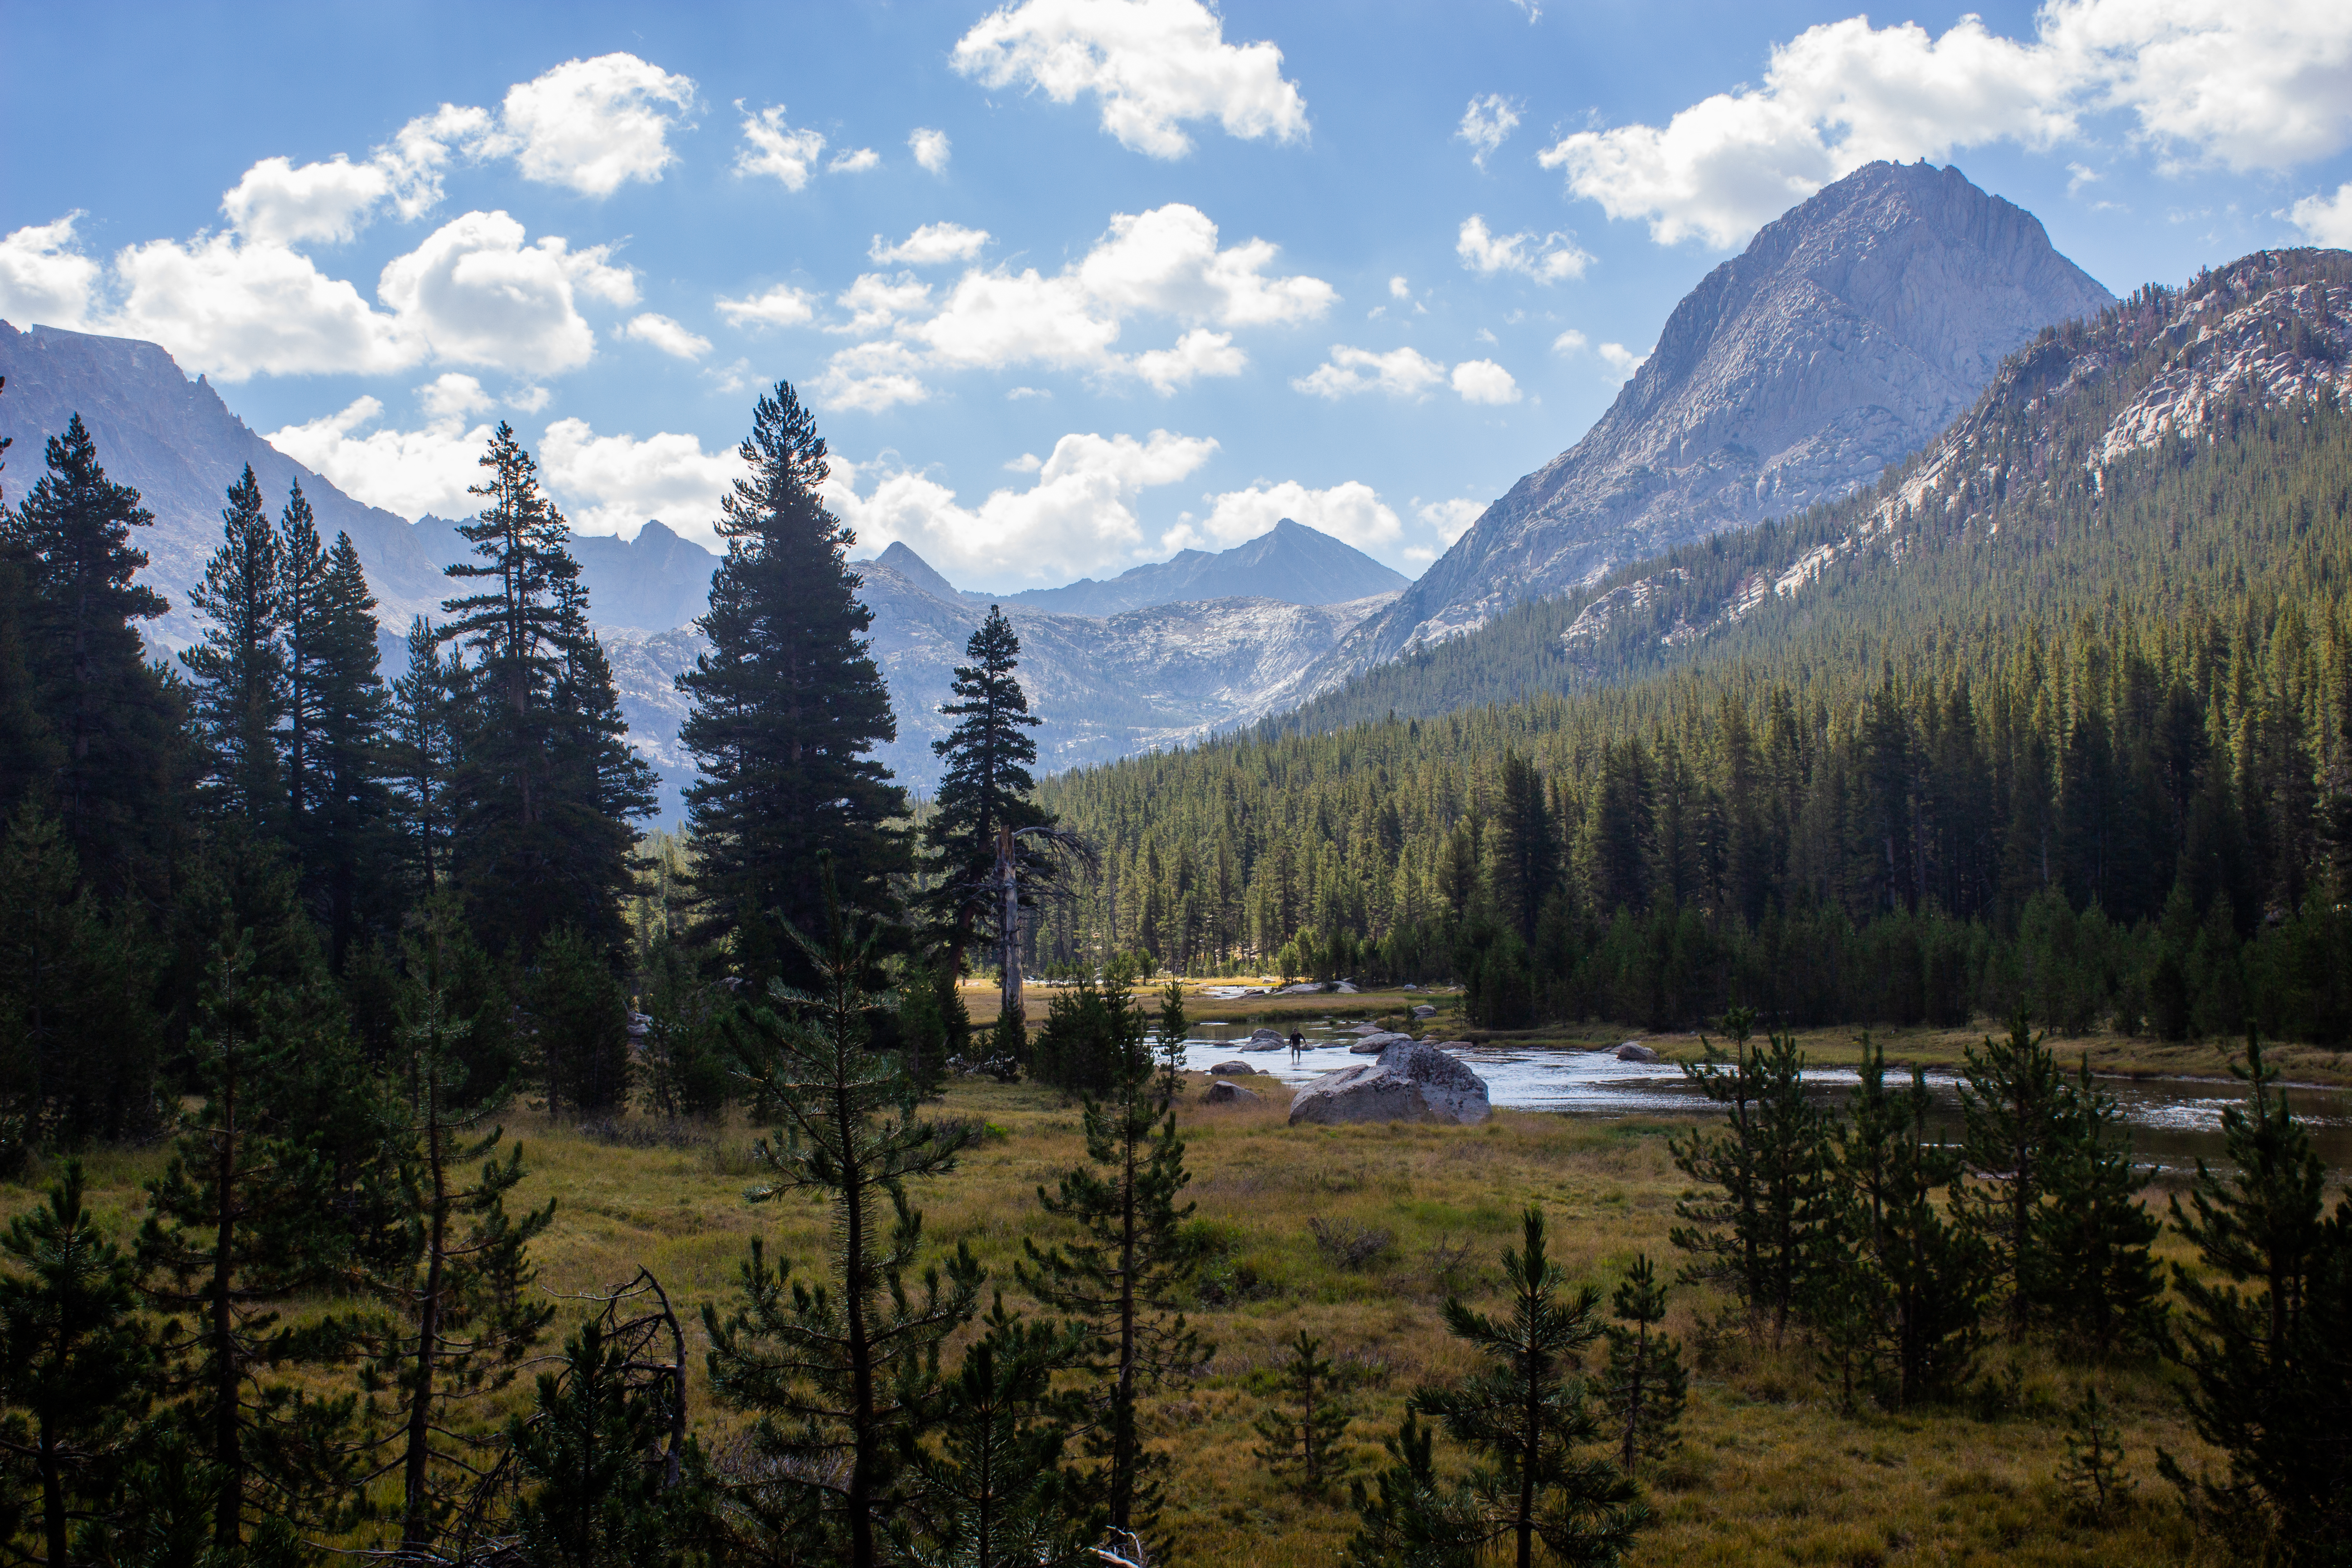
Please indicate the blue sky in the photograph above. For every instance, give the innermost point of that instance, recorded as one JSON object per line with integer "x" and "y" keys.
{"x": 1071, "y": 284}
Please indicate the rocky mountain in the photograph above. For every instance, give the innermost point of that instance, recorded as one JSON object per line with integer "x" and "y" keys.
{"x": 176, "y": 442}
{"x": 1289, "y": 562}
{"x": 639, "y": 586}
{"x": 1851, "y": 331}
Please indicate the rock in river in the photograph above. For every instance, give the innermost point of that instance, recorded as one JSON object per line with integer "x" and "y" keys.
{"x": 1411, "y": 1081}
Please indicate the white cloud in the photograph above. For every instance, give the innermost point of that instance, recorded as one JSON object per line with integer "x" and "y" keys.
{"x": 2247, "y": 83}
{"x": 611, "y": 484}
{"x": 452, "y": 395}
{"x": 1486, "y": 124}
{"x": 278, "y": 204}
{"x": 932, "y": 148}
{"x": 872, "y": 377}
{"x": 1484, "y": 381}
{"x": 237, "y": 308}
{"x": 1153, "y": 65}
{"x": 1622, "y": 360}
{"x": 1165, "y": 262}
{"x": 666, "y": 335}
{"x": 1019, "y": 392}
{"x": 528, "y": 399}
{"x": 593, "y": 125}
{"x": 1451, "y": 519}
{"x": 874, "y": 301}
{"x": 854, "y": 161}
{"x": 771, "y": 147}
{"x": 43, "y": 279}
{"x": 1569, "y": 341}
{"x": 482, "y": 296}
{"x": 1352, "y": 512}
{"x": 1548, "y": 258}
{"x": 929, "y": 245}
{"x": 1400, "y": 373}
{"x": 410, "y": 472}
{"x": 1399, "y": 289}
{"x": 781, "y": 305}
{"x": 1078, "y": 516}
{"x": 2324, "y": 220}
{"x": 1197, "y": 353}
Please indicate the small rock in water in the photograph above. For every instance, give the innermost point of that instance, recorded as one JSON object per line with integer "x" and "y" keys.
{"x": 1221, "y": 1069}
{"x": 1223, "y": 1093}
{"x": 1634, "y": 1051}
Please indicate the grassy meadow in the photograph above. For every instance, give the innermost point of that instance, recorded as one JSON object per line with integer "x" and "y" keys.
{"x": 1770, "y": 1470}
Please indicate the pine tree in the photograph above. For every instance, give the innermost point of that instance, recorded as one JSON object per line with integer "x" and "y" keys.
{"x": 1759, "y": 1232}
{"x": 2270, "y": 1369}
{"x": 1526, "y": 846}
{"x": 1644, "y": 1386}
{"x": 603, "y": 782}
{"x": 685, "y": 1068}
{"x": 1121, "y": 1274}
{"x": 111, "y": 723}
{"x": 2091, "y": 1471}
{"x": 462, "y": 1315}
{"x": 591, "y": 1455}
{"x": 1526, "y": 1414}
{"x": 1305, "y": 1441}
{"x": 788, "y": 705}
{"x": 422, "y": 750}
{"x": 238, "y": 670}
{"x": 342, "y": 831}
{"x": 1410, "y": 1517}
{"x": 236, "y": 1224}
{"x": 2011, "y": 1097}
{"x": 2100, "y": 1283}
{"x": 991, "y": 1493}
{"x": 842, "y": 1377}
{"x": 581, "y": 1016}
{"x": 301, "y": 579}
{"x": 984, "y": 789}
{"x": 77, "y": 1360}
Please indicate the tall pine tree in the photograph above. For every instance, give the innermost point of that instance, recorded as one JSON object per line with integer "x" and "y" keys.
{"x": 788, "y": 707}
{"x": 238, "y": 670}
{"x": 336, "y": 767}
{"x": 985, "y": 787}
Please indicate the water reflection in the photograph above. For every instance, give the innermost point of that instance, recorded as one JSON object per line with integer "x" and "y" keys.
{"x": 2174, "y": 1121}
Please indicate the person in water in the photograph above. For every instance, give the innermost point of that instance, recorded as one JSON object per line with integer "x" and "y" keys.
{"x": 1296, "y": 1045}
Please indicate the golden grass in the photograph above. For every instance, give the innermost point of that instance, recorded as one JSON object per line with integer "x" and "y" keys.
{"x": 1770, "y": 1471}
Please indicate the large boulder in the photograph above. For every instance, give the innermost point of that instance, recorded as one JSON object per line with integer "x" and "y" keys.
{"x": 1423, "y": 1010}
{"x": 1223, "y": 1093}
{"x": 1226, "y": 1070}
{"x": 1412, "y": 1081}
{"x": 1634, "y": 1051}
{"x": 1265, "y": 1040}
{"x": 1375, "y": 1042}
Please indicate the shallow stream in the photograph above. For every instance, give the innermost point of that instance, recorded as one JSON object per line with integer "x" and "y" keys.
{"x": 2174, "y": 1121}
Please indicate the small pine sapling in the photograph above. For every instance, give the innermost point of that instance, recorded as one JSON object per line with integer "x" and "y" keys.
{"x": 1301, "y": 1431}
{"x": 1644, "y": 1384}
{"x": 1409, "y": 1516}
{"x": 2092, "y": 1470}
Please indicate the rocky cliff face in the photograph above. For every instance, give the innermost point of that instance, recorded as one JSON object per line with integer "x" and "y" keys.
{"x": 1848, "y": 334}
{"x": 175, "y": 442}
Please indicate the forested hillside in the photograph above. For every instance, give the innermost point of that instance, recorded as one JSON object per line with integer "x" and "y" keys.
{"x": 2055, "y": 718}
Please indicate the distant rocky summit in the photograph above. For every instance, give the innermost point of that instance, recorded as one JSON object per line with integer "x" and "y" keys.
{"x": 1850, "y": 332}
{"x": 1290, "y": 563}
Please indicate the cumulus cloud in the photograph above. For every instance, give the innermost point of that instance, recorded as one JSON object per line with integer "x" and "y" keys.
{"x": 1406, "y": 372}
{"x": 1486, "y": 124}
{"x": 277, "y": 203}
{"x": 1153, "y": 65}
{"x": 1484, "y": 381}
{"x": 481, "y": 295}
{"x": 854, "y": 161}
{"x": 1077, "y": 516}
{"x": 1400, "y": 373}
{"x": 593, "y": 126}
{"x": 666, "y": 335}
{"x": 1399, "y": 289}
{"x": 932, "y": 148}
{"x": 410, "y": 472}
{"x": 2325, "y": 220}
{"x": 929, "y": 245}
{"x": 773, "y": 148}
{"x": 1352, "y": 512}
{"x": 2247, "y": 83}
{"x": 781, "y": 305}
{"x": 43, "y": 279}
{"x": 1569, "y": 341}
{"x": 1622, "y": 360}
{"x": 1166, "y": 262}
{"x": 1450, "y": 519}
{"x": 233, "y": 310}
{"x": 1547, "y": 258}
{"x": 611, "y": 484}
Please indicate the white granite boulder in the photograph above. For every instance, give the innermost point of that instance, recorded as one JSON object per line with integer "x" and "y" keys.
{"x": 1412, "y": 1081}
{"x": 1265, "y": 1040}
{"x": 1223, "y": 1093}
{"x": 1634, "y": 1051}
{"x": 1226, "y": 1070}
{"x": 1424, "y": 1010}
{"x": 1375, "y": 1042}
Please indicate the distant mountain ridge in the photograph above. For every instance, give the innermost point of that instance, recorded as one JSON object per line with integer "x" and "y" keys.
{"x": 1289, "y": 562}
{"x": 657, "y": 582}
{"x": 1851, "y": 332}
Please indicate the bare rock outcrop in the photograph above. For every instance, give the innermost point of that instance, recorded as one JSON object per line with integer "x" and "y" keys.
{"x": 1411, "y": 1081}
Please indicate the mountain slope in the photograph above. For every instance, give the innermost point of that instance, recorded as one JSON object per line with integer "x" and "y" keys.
{"x": 1851, "y": 331}
{"x": 176, "y": 442}
{"x": 654, "y": 582}
{"x": 1289, "y": 562}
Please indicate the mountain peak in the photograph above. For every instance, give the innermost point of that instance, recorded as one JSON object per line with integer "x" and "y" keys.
{"x": 1290, "y": 562}
{"x": 1852, "y": 329}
